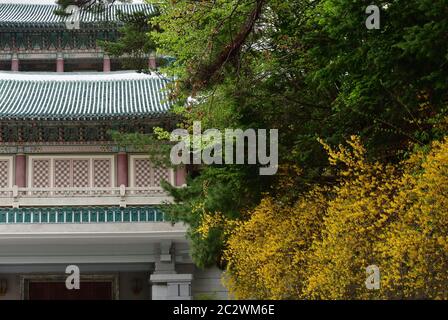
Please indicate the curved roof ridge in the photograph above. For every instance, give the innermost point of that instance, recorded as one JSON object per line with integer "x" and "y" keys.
{"x": 78, "y": 76}
{"x": 45, "y": 96}
{"x": 13, "y": 14}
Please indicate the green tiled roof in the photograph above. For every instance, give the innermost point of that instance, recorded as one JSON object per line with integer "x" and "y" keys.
{"x": 42, "y": 15}
{"x": 80, "y": 215}
{"x": 79, "y": 96}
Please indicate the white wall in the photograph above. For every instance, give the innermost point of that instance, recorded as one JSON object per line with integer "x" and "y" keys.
{"x": 127, "y": 284}
{"x": 207, "y": 284}
{"x": 13, "y": 287}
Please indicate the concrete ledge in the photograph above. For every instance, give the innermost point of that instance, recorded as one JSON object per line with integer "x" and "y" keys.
{"x": 171, "y": 277}
{"x": 154, "y": 231}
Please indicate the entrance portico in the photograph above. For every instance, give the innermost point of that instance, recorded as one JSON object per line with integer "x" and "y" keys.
{"x": 41, "y": 253}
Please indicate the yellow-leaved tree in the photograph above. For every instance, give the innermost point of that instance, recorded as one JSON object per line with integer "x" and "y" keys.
{"x": 267, "y": 254}
{"x": 392, "y": 216}
{"x": 353, "y": 224}
{"x": 414, "y": 253}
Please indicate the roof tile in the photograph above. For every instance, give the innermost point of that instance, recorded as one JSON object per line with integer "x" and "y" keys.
{"x": 81, "y": 96}
{"x": 14, "y": 15}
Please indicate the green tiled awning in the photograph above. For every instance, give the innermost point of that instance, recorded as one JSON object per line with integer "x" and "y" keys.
{"x": 42, "y": 15}
{"x": 52, "y": 96}
{"x": 80, "y": 215}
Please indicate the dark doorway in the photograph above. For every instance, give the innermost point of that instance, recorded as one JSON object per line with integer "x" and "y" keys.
{"x": 89, "y": 290}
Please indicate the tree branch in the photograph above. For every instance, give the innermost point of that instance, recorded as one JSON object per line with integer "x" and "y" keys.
{"x": 206, "y": 72}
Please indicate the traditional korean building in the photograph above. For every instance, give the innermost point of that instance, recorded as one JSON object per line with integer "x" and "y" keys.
{"x": 70, "y": 195}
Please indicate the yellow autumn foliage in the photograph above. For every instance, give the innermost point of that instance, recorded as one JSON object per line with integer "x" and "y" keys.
{"x": 414, "y": 250}
{"x": 353, "y": 223}
{"x": 267, "y": 253}
{"x": 391, "y": 216}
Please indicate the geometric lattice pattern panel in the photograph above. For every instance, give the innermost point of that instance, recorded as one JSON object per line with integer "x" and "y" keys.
{"x": 101, "y": 173}
{"x": 159, "y": 175}
{"x": 80, "y": 173}
{"x": 41, "y": 174}
{"x": 142, "y": 173}
{"x": 4, "y": 173}
{"x": 62, "y": 173}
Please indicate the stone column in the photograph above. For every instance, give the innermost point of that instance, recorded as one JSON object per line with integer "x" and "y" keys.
{"x": 60, "y": 63}
{"x": 172, "y": 286}
{"x": 20, "y": 177}
{"x": 106, "y": 63}
{"x": 15, "y": 62}
{"x": 122, "y": 169}
{"x": 181, "y": 176}
{"x": 166, "y": 284}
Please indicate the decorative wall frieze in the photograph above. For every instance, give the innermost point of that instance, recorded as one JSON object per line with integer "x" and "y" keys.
{"x": 9, "y": 150}
{"x": 60, "y": 148}
{"x": 74, "y": 132}
{"x": 47, "y": 148}
{"x": 51, "y": 40}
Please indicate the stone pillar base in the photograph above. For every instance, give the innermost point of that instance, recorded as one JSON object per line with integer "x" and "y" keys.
{"x": 171, "y": 286}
